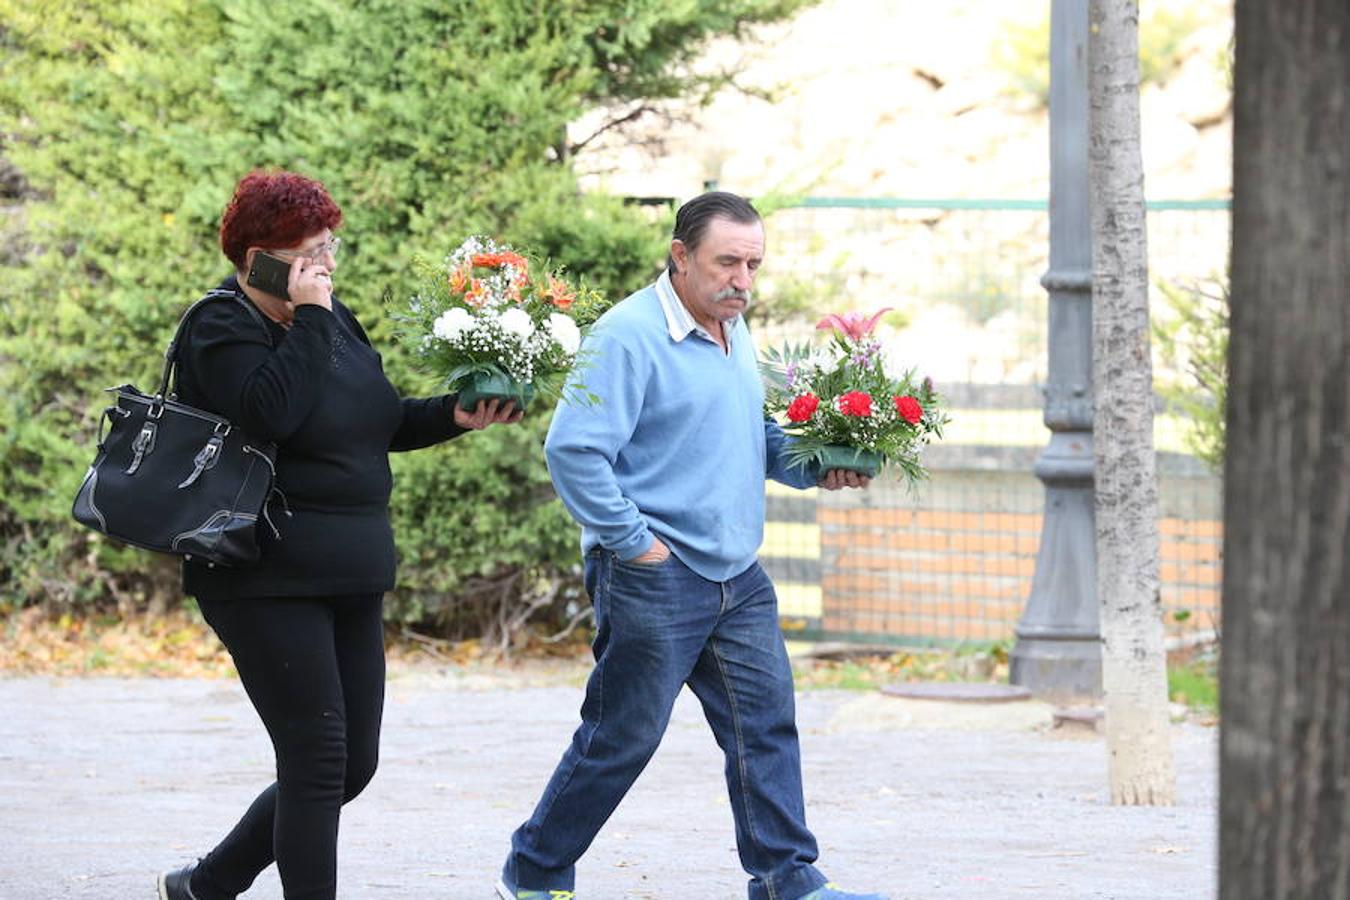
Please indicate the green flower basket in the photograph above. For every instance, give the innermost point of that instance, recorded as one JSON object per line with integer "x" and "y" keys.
{"x": 864, "y": 462}
{"x": 492, "y": 386}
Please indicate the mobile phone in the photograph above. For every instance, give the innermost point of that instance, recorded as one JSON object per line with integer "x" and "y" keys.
{"x": 269, "y": 273}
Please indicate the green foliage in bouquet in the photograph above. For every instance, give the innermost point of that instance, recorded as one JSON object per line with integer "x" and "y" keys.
{"x": 842, "y": 397}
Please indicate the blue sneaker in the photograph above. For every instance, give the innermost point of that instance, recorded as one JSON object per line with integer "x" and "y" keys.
{"x": 511, "y": 892}
{"x": 830, "y": 892}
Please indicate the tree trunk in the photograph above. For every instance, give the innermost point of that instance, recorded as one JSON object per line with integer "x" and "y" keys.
{"x": 1134, "y": 659}
{"x": 1285, "y": 746}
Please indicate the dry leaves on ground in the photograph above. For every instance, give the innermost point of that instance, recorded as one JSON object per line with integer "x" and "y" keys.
{"x": 175, "y": 645}
{"x": 858, "y": 669}
{"x": 182, "y": 645}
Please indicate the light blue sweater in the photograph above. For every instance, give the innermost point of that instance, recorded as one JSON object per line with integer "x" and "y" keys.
{"x": 677, "y": 446}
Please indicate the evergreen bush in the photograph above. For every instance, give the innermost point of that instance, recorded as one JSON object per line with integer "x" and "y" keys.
{"x": 123, "y": 128}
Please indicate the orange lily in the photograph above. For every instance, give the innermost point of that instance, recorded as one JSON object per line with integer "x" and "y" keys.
{"x": 559, "y": 294}
{"x": 459, "y": 279}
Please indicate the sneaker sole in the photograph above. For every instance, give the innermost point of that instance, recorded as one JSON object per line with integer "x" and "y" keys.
{"x": 503, "y": 892}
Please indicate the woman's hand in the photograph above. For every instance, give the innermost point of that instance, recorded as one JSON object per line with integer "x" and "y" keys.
{"x": 488, "y": 412}
{"x": 309, "y": 283}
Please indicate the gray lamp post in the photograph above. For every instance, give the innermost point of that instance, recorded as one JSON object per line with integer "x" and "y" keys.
{"x": 1058, "y": 650}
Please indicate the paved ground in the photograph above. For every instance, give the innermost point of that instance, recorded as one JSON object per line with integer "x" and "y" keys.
{"x": 104, "y": 782}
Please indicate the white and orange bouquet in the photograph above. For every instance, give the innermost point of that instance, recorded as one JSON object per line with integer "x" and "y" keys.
{"x": 491, "y": 322}
{"x": 844, "y": 404}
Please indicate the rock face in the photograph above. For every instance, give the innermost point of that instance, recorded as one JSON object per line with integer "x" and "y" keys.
{"x": 907, "y": 98}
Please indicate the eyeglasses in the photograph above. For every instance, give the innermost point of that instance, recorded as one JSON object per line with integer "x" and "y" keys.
{"x": 329, "y": 246}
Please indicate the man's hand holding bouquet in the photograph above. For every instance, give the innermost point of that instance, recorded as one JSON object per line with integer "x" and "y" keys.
{"x": 844, "y": 409}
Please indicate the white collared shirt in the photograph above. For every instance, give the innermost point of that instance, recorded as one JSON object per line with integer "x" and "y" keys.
{"x": 679, "y": 321}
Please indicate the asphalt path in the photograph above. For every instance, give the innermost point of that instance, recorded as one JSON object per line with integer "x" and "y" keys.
{"x": 107, "y": 781}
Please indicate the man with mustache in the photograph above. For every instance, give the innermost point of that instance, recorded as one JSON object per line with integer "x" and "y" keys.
{"x": 666, "y": 474}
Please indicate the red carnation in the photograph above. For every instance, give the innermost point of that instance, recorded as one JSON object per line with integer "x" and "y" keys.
{"x": 855, "y": 403}
{"x": 909, "y": 409}
{"x": 803, "y": 407}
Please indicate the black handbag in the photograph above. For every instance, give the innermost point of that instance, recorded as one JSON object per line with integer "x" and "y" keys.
{"x": 176, "y": 479}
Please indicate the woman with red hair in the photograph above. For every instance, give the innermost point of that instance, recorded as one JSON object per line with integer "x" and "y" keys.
{"x": 304, "y": 624}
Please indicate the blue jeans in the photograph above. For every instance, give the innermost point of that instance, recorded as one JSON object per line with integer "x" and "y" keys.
{"x": 659, "y": 627}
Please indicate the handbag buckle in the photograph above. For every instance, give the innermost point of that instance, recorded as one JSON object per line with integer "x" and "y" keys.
{"x": 205, "y": 459}
{"x": 142, "y": 446}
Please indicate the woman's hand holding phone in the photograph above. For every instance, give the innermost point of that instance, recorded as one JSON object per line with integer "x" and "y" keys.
{"x": 309, "y": 283}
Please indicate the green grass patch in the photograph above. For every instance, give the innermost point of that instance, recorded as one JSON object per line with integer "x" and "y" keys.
{"x": 1195, "y": 684}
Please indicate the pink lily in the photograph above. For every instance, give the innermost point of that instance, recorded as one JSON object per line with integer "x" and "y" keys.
{"x": 854, "y": 324}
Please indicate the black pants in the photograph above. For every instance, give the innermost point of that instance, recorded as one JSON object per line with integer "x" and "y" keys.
{"x": 314, "y": 669}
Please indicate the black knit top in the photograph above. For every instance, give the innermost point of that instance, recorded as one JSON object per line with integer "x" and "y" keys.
{"x": 320, "y": 393}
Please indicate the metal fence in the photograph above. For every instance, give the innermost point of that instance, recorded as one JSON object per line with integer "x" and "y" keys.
{"x": 952, "y": 560}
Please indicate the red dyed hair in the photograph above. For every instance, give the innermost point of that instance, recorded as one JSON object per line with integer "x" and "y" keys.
{"x": 274, "y": 209}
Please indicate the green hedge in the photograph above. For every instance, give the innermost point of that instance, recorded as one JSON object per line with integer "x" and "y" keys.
{"x": 129, "y": 123}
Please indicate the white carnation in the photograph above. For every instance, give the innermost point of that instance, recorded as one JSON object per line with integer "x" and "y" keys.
{"x": 565, "y": 332}
{"x": 517, "y": 321}
{"x": 452, "y": 324}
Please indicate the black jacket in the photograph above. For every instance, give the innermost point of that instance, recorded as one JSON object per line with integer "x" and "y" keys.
{"x": 320, "y": 393}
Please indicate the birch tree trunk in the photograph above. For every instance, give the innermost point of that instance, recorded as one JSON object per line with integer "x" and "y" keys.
{"x": 1134, "y": 659}
{"x": 1285, "y": 742}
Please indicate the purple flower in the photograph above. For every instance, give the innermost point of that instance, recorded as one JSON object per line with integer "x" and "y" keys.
{"x": 864, "y": 353}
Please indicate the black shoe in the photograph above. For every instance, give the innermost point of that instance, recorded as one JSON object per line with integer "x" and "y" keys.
{"x": 177, "y": 885}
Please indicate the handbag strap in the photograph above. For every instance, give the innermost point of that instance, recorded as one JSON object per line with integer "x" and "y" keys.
{"x": 171, "y": 353}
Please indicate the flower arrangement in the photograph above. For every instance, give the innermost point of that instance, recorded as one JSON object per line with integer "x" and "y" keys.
{"x": 492, "y": 323}
{"x": 844, "y": 408}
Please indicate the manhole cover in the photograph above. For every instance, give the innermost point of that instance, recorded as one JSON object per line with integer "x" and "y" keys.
{"x": 957, "y": 691}
{"x": 1093, "y": 717}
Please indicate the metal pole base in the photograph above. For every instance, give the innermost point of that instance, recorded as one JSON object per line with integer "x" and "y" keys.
{"x": 1061, "y": 670}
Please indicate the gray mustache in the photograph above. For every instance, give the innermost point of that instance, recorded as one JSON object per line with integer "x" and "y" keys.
{"x": 732, "y": 294}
